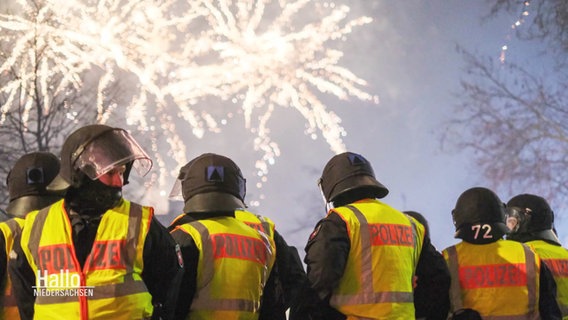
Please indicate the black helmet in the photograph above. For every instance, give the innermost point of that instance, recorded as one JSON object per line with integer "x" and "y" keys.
{"x": 479, "y": 206}
{"x": 210, "y": 182}
{"x": 94, "y": 150}
{"x": 27, "y": 181}
{"x": 346, "y": 172}
{"x": 535, "y": 217}
{"x": 420, "y": 218}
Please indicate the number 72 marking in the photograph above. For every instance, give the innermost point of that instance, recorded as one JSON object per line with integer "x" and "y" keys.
{"x": 478, "y": 227}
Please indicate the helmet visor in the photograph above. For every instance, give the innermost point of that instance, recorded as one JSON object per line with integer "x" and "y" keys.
{"x": 320, "y": 187}
{"x": 328, "y": 205}
{"x": 176, "y": 193}
{"x": 517, "y": 218}
{"x": 110, "y": 150}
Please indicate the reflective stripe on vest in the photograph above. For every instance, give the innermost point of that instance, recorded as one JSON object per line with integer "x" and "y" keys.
{"x": 257, "y": 222}
{"x": 511, "y": 276}
{"x": 244, "y": 252}
{"x": 394, "y": 230}
{"x": 110, "y": 281}
{"x": 8, "y": 308}
{"x": 556, "y": 259}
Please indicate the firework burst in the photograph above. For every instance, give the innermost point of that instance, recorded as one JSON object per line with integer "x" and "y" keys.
{"x": 267, "y": 55}
{"x": 254, "y": 55}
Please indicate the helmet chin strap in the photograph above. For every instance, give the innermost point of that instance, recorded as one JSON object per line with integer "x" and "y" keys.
{"x": 93, "y": 198}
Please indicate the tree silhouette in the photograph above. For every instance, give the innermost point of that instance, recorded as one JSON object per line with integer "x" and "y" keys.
{"x": 38, "y": 107}
{"x": 515, "y": 114}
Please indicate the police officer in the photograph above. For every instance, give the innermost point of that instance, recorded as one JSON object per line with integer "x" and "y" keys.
{"x": 362, "y": 257}
{"x": 531, "y": 221}
{"x": 227, "y": 262}
{"x": 95, "y": 254}
{"x": 492, "y": 276}
{"x": 26, "y": 182}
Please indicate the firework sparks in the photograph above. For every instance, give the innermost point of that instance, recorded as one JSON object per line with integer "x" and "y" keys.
{"x": 254, "y": 55}
{"x": 105, "y": 39}
{"x": 520, "y": 21}
{"x": 31, "y": 35}
{"x": 267, "y": 62}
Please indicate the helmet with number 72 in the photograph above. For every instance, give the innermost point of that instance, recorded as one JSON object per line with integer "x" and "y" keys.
{"x": 479, "y": 206}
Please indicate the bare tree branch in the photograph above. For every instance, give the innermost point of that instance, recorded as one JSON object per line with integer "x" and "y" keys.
{"x": 28, "y": 124}
{"x": 546, "y": 21}
{"x": 517, "y": 126}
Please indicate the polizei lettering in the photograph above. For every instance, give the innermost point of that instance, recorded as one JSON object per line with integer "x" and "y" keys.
{"x": 104, "y": 255}
{"x": 107, "y": 255}
{"x": 497, "y": 275}
{"x": 54, "y": 258}
{"x": 391, "y": 235}
{"x": 256, "y": 226}
{"x": 559, "y": 267}
{"x": 239, "y": 247}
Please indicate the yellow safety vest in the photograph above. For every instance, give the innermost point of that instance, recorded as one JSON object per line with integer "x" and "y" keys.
{"x": 110, "y": 285}
{"x": 260, "y": 223}
{"x": 234, "y": 264}
{"x": 378, "y": 276}
{"x": 10, "y": 229}
{"x": 556, "y": 259}
{"x": 500, "y": 280}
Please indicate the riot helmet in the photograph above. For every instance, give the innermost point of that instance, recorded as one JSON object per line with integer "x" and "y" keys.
{"x": 210, "y": 182}
{"x": 534, "y": 219}
{"x": 94, "y": 150}
{"x": 479, "y": 216}
{"x": 349, "y": 172}
{"x": 420, "y": 218}
{"x": 27, "y": 181}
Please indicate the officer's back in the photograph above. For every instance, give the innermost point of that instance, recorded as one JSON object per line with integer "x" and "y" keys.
{"x": 362, "y": 256}
{"x": 492, "y": 276}
{"x": 227, "y": 263}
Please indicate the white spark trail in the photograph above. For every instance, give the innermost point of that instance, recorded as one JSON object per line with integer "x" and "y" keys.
{"x": 283, "y": 63}
{"x": 254, "y": 55}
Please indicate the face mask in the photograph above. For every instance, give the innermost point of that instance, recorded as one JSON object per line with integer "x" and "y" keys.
{"x": 93, "y": 197}
{"x": 517, "y": 219}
